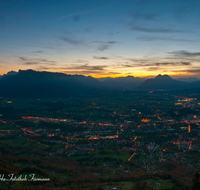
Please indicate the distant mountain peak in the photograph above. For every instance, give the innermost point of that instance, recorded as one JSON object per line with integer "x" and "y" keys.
{"x": 164, "y": 82}
{"x": 9, "y": 73}
{"x": 162, "y": 77}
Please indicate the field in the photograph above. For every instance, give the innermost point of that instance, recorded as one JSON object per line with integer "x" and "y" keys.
{"x": 123, "y": 155}
{"x": 99, "y": 108}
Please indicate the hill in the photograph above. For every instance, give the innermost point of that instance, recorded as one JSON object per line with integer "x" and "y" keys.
{"x": 34, "y": 84}
{"x": 128, "y": 82}
{"x": 162, "y": 82}
{"x": 88, "y": 81}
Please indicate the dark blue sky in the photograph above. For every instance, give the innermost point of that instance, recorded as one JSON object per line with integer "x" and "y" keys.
{"x": 101, "y": 38}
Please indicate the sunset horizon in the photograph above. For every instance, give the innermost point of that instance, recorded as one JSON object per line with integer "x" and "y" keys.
{"x": 172, "y": 75}
{"x": 101, "y": 38}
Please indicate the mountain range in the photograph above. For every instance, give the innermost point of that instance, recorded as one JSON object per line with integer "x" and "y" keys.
{"x": 127, "y": 83}
{"x": 163, "y": 82}
{"x": 35, "y": 84}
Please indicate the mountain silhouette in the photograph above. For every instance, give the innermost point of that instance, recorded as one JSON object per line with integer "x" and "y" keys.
{"x": 9, "y": 73}
{"x": 128, "y": 82}
{"x": 195, "y": 84}
{"x": 88, "y": 81}
{"x": 162, "y": 82}
{"x": 35, "y": 84}
{"x": 189, "y": 80}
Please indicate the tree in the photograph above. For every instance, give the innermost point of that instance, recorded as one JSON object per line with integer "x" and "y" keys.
{"x": 196, "y": 182}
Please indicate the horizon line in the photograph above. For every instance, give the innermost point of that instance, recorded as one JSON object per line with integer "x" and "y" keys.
{"x": 107, "y": 75}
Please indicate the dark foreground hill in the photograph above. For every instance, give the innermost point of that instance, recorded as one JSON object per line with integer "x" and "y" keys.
{"x": 34, "y": 84}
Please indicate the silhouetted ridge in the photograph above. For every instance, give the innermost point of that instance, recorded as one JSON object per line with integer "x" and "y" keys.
{"x": 163, "y": 82}
{"x": 190, "y": 79}
{"x": 129, "y": 82}
{"x": 89, "y": 81}
{"x": 195, "y": 84}
{"x": 161, "y": 77}
{"x": 9, "y": 73}
{"x": 32, "y": 84}
{"x": 35, "y": 84}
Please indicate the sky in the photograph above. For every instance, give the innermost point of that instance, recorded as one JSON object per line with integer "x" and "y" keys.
{"x": 101, "y": 38}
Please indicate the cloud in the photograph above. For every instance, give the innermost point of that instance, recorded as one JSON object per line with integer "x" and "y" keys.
{"x": 183, "y": 10}
{"x": 160, "y": 62}
{"x": 89, "y": 29}
{"x": 186, "y": 63}
{"x": 145, "y": 25}
{"x": 113, "y": 73}
{"x": 45, "y": 60}
{"x": 108, "y": 42}
{"x": 162, "y": 65}
{"x": 185, "y": 53}
{"x": 152, "y": 68}
{"x": 173, "y": 63}
{"x": 143, "y": 16}
{"x": 84, "y": 12}
{"x": 154, "y": 30}
{"x": 105, "y": 45}
{"x": 86, "y": 72}
{"x": 92, "y": 72}
{"x": 23, "y": 58}
{"x": 28, "y": 61}
{"x": 32, "y": 63}
{"x": 192, "y": 70}
{"x": 78, "y": 13}
{"x": 149, "y": 38}
{"x": 157, "y": 65}
{"x": 82, "y": 61}
{"x": 112, "y": 33}
{"x": 79, "y": 69}
{"x": 39, "y": 51}
{"x": 88, "y": 67}
{"x": 42, "y": 68}
{"x": 71, "y": 40}
{"x": 96, "y": 57}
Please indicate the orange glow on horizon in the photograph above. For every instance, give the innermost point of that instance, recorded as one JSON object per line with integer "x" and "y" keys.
{"x": 126, "y": 73}
{"x": 140, "y": 74}
{"x": 147, "y": 75}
